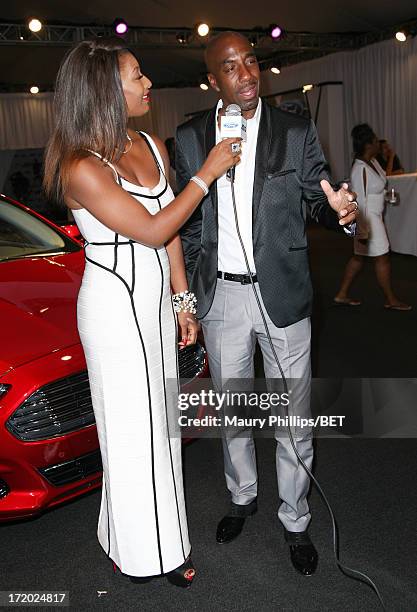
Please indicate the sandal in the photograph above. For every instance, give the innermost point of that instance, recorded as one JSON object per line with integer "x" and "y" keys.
{"x": 346, "y": 302}
{"x": 183, "y": 575}
{"x": 399, "y": 306}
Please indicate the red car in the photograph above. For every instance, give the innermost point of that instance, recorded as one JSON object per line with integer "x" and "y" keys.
{"x": 48, "y": 441}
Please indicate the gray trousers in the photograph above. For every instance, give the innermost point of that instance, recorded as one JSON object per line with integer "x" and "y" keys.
{"x": 231, "y": 329}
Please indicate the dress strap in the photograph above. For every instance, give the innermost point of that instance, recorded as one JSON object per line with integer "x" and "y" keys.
{"x": 155, "y": 152}
{"x": 106, "y": 162}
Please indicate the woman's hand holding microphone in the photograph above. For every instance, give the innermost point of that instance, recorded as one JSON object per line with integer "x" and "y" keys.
{"x": 219, "y": 160}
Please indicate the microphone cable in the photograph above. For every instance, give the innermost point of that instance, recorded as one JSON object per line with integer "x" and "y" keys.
{"x": 350, "y": 572}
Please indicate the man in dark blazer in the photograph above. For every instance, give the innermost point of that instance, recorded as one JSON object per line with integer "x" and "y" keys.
{"x": 280, "y": 176}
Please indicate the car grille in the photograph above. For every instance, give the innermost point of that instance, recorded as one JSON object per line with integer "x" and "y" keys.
{"x": 191, "y": 362}
{"x": 71, "y": 471}
{"x": 54, "y": 410}
{"x": 64, "y": 405}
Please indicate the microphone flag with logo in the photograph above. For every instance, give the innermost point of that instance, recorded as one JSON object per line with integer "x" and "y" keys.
{"x": 233, "y": 125}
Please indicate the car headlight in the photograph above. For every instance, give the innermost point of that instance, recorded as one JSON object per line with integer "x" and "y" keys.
{"x": 4, "y": 389}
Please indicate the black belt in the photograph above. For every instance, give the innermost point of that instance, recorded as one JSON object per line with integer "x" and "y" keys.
{"x": 244, "y": 279}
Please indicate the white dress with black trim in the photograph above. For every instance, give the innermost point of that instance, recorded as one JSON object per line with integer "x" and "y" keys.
{"x": 128, "y": 330}
{"x": 371, "y": 239}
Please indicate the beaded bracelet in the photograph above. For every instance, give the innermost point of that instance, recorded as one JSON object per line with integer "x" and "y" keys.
{"x": 198, "y": 181}
{"x": 185, "y": 301}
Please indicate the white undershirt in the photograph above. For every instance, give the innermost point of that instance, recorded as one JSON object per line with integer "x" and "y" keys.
{"x": 230, "y": 257}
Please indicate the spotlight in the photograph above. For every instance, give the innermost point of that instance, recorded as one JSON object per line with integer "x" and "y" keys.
{"x": 183, "y": 38}
{"x": 401, "y": 36}
{"x": 35, "y": 25}
{"x": 275, "y": 31}
{"x": 120, "y": 26}
{"x": 34, "y": 89}
{"x": 275, "y": 70}
{"x": 203, "y": 29}
{"x": 307, "y": 88}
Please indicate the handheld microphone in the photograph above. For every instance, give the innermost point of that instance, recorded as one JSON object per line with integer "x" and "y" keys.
{"x": 233, "y": 125}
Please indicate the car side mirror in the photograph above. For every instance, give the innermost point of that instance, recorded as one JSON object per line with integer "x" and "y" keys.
{"x": 73, "y": 232}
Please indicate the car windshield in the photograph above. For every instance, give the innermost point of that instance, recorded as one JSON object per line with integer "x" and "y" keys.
{"x": 23, "y": 235}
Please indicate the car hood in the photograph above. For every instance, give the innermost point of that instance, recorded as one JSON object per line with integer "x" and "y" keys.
{"x": 38, "y": 297}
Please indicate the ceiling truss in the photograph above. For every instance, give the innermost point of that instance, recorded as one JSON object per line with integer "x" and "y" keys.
{"x": 290, "y": 48}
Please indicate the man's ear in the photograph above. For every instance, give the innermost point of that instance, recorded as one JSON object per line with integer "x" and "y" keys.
{"x": 212, "y": 81}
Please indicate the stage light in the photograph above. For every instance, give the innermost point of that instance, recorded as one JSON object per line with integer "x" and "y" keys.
{"x": 275, "y": 70}
{"x": 307, "y": 88}
{"x": 35, "y": 25}
{"x": 203, "y": 29}
{"x": 183, "y": 38}
{"x": 401, "y": 36}
{"x": 120, "y": 26}
{"x": 34, "y": 89}
{"x": 275, "y": 31}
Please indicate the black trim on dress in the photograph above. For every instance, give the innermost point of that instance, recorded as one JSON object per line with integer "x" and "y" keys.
{"x": 149, "y": 399}
{"x": 165, "y": 397}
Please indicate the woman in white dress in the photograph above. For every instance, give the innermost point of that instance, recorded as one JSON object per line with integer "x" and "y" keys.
{"x": 113, "y": 180}
{"x": 368, "y": 180}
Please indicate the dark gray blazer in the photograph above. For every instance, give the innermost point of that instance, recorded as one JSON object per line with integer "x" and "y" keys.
{"x": 288, "y": 168}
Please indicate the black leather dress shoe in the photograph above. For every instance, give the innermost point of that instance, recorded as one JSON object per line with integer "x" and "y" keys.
{"x": 232, "y": 524}
{"x": 303, "y": 554}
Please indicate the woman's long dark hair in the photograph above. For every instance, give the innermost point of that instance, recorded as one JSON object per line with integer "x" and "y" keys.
{"x": 362, "y": 135}
{"x": 90, "y": 110}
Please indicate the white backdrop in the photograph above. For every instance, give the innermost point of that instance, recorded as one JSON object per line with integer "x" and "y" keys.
{"x": 26, "y": 121}
{"x": 379, "y": 87}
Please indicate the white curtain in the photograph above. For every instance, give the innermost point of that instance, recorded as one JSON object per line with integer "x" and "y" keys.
{"x": 26, "y": 120}
{"x": 379, "y": 88}
{"x": 169, "y": 108}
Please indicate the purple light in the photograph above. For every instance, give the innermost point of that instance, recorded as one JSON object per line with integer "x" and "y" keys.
{"x": 276, "y": 31}
{"x": 121, "y": 28}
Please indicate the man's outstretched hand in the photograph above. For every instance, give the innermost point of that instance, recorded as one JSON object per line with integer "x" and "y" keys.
{"x": 342, "y": 201}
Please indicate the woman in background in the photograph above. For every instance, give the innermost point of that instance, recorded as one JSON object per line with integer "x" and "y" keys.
{"x": 113, "y": 180}
{"x": 388, "y": 159}
{"x": 368, "y": 180}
